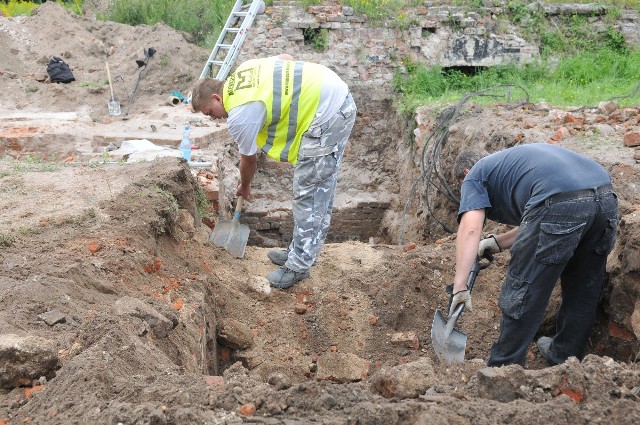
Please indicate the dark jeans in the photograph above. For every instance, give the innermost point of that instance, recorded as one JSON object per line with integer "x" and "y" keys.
{"x": 570, "y": 240}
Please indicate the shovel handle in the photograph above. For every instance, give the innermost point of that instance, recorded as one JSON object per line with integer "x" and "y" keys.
{"x": 239, "y": 203}
{"x": 109, "y": 78}
{"x": 476, "y": 267}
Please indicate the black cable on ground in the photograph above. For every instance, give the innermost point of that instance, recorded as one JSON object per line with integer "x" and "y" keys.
{"x": 431, "y": 171}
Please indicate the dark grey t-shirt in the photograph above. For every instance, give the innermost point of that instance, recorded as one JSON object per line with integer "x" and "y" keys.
{"x": 511, "y": 182}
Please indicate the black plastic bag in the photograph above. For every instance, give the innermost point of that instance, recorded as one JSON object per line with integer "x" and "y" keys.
{"x": 59, "y": 71}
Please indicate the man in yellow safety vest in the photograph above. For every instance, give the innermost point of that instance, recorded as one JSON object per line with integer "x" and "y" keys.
{"x": 294, "y": 111}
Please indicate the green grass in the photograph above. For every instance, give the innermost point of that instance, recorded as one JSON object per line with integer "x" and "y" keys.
{"x": 378, "y": 10}
{"x": 28, "y": 164}
{"x": 203, "y": 19}
{"x": 584, "y": 79}
{"x": 7, "y": 240}
{"x": 19, "y": 7}
{"x": 628, "y": 4}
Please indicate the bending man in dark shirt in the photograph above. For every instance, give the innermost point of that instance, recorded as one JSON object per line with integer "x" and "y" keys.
{"x": 566, "y": 212}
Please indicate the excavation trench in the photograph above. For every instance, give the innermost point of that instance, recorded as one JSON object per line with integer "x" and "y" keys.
{"x": 393, "y": 289}
{"x": 105, "y": 260}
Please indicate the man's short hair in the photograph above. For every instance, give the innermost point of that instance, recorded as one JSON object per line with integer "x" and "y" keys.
{"x": 466, "y": 159}
{"x": 202, "y": 91}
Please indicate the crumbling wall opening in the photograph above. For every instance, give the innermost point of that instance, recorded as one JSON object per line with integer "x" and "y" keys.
{"x": 315, "y": 37}
{"x": 467, "y": 71}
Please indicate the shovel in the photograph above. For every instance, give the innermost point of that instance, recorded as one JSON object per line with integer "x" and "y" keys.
{"x": 449, "y": 343}
{"x": 114, "y": 105}
{"x": 230, "y": 234}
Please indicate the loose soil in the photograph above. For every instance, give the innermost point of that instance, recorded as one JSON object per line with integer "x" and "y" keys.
{"x": 161, "y": 327}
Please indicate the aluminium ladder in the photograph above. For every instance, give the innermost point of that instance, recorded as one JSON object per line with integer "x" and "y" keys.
{"x": 236, "y": 27}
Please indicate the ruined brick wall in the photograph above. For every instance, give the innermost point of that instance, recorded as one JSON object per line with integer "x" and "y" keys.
{"x": 359, "y": 223}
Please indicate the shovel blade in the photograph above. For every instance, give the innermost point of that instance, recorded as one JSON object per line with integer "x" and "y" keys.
{"x": 114, "y": 108}
{"x": 230, "y": 235}
{"x": 448, "y": 343}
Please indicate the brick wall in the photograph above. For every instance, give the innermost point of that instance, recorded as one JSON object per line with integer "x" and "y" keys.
{"x": 360, "y": 223}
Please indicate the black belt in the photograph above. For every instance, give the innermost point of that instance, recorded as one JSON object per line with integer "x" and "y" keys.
{"x": 582, "y": 193}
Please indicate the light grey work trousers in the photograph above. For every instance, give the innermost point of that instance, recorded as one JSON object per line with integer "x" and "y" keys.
{"x": 314, "y": 184}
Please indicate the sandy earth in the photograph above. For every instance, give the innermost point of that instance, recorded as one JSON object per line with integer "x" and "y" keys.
{"x": 124, "y": 312}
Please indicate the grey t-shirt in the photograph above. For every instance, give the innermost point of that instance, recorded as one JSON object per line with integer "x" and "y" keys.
{"x": 511, "y": 182}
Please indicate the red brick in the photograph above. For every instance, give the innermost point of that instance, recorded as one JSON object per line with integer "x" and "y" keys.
{"x": 225, "y": 354}
{"x": 28, "y": 392}
{"x": 632, "y": 139}
{"x": 178, "y": 304}
{"x": 573, "y": 120}
{"x": 248, "y": 409}
{"x": 619, "y": 332}
{"x": 214, "y": 381}
{"x": 574, "y": 395}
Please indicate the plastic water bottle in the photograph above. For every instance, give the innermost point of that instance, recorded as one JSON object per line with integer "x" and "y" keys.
{"x": 185, "y": 144}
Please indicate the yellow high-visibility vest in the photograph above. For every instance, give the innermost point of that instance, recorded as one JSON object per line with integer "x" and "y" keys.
{"x": 291, "y": 92}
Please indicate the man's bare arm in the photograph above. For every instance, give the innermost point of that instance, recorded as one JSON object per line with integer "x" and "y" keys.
{"x": 248, "y": 164}
{"x": 467, "y": 241}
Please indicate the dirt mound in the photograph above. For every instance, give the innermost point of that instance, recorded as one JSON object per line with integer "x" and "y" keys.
{"x": 114, "y": 308}
{"x": 86, "y": 44}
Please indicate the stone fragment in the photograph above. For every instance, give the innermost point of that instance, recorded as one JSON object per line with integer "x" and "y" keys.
{"x": 52, "y": 317}
{"x": 279, "y": 381}
{"x": 409, "y": 380}
{"x": 185, "y": 223}
{"x": 234, "y": 334}
{"x": 24, "y": 359}
{"x": 607, "y": 107}
{"x": 605, "y": 129}
{"x": 500, "y": 383}
{"x": 159, "y": 324}
{"x": 407, "y": 339}
{"x": 341, "y": 367}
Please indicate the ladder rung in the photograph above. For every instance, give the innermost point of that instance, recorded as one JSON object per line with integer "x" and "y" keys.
{"x": 242, "y": 17}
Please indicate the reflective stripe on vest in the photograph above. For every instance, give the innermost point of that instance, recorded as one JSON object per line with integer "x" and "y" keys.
{"x": 280, "y": 85}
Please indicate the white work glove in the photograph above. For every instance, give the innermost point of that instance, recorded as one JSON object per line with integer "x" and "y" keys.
{"x": 488, "y": 245}
{"x": 460, "y": 297}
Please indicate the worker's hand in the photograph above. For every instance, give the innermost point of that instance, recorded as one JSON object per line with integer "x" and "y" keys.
{"x": 460, "y": 297}
{"x": 488, "y": 245}
{"x": 243, "y": 191}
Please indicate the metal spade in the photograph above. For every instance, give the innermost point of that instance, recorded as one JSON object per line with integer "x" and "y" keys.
{"x": 230, "y": 234}
{"x": 449, "y": 343}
